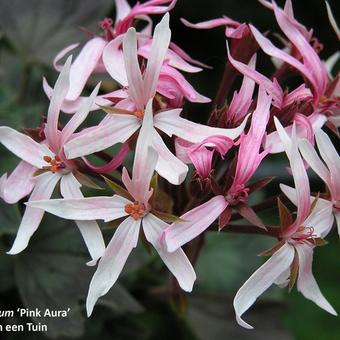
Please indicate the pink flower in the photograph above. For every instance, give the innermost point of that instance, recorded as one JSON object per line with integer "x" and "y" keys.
{"x": 137, "y": 210}
{"x": 49, "y": 159}
{"x": 233, "y": 28}
{"x": 201, "y": 154}
{"x": 118, "y": 128}
{"x": 103, "y": 54}
{"x": 329, "y": 172}
{"x": 199, "y": 219}
{"x": 294, "y": 252}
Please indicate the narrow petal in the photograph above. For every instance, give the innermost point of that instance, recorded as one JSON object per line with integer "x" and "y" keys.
{"x": 72, "y": 106}
{"x": 261, "y": 280}
{"x": 275, "y": 52}
{"x": 310, "y": 155}
{"x": 331, "y": 156}
{"x": 194, "y": 223}
{"x": 122, "y": 9}
{"x": 171, "y": 123}
{"x": 59, "y": 93}
{"x": 273, "y": 139}
{"x": 133, "y": 72}
{"x": 168, "y": 165}
{"x": 159, "y": 47}
{"x": 316, "y": 70}
{"x": 298, "y": 170}
{"x": 70, "y": 188}
{"x": 271, "y": 86}
{"x": 62, "y": 54}
{"x": 145, "y": 158}
{"x": 113, "y": 260}
{"x": 306, "y": 283}
{"x": 79, "y": 116}
{"x": 32, "y": 217}
{"x": 177, "y": 262}
{"x": 113, "y": 59}
{"x": 173, "y": 59}
{"x": 333, "y": 21}
{"x": 240, "y": 104}
{"x": 19, "y": 183}
{"x": 84, "y": 209}
{"x": 84, "y": 65}
{"x": 249, "y": 157}
{"x": 117, "y": 129}
{"x": 24, "y": 147}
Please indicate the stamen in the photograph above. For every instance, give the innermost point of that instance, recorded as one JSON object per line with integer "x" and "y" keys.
{"x": 139, "y": 114}
{"x": 106, "y": 23}
{"x": 55, "y": 164}
{"x": 136, "y": 210}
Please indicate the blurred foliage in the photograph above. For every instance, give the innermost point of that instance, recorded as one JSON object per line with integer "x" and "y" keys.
{"x": 52, "y": 272}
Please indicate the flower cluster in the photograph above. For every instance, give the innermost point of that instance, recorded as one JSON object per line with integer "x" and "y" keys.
{"x": 144, "y": 118}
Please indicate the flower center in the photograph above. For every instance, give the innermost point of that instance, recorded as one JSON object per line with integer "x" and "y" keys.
{"x": 55, "y": 164}
{"x": 136, "y": 210}
{"x": 240, "y": 194}
{"x": 139, "y": 114}
{"x": 303, "y": 233}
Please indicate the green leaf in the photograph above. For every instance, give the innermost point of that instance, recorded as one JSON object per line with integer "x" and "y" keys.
{"x": 118, "y": 189}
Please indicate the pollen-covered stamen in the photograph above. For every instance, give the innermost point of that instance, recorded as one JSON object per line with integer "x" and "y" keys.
{"x": 55, "y": 164}
{"x": 139, "y": 114}
{"x": 136, "y": 210}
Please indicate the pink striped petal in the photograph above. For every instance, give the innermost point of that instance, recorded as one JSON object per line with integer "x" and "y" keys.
{"x": 240, "y": 104}
{"x": 71, "y": 106}
{"x": 84, "y": 65}
{"x": 310, "y": 155}
{"x": 170, "y": 80}
{"x": 117, "y": 129}
{"x": 298, "y": 170}
{"x": 145, "y": 158}
{"x": 84, "y": 209}
{"x": 177, "y": 262}
{"x": 173, "y": 59}
{"x": 168, "y": 166}
{"x": 272, "y": 87}
{"x": 331, "y": 157}
{"x": 273, "y": 140}
{"x": 70, "y": 188}
{"x": 194, "y": 223}
{"x": 159, "y": 47}
{"x": 249, "y": 157}
{"x": 113, "y": 59}
{"x": 32, "y": 217}
{"x": 133, "y": 72}
{"x": 115, "y": 162}
{"x": 59, "y": 93}
{"x": 225, "y": 21}
{"x": 113, "y": 260}
{"x": 306, "y": 283}
{"x": 62, "y": 54}
{"x": 261, "y": 280}
{"x": 332, "y": 20}
{"x": 171, "y": 123}
{"x": 122, "y": 9}
{"x": 317, "y": 73}
{"x": 19, "y": 184}
{"x": 79, "y": 117}
{"x": 24, "y": 147}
